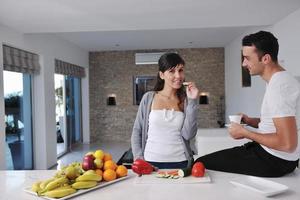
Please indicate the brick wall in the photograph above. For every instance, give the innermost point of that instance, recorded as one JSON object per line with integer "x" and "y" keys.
{"x": 112, "y": 73}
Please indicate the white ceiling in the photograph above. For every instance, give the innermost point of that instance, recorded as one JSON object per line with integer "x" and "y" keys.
{"x": 97, "y": 25}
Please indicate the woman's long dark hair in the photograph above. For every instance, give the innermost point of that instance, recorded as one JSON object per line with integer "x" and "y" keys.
{"x": 168, "y": 61}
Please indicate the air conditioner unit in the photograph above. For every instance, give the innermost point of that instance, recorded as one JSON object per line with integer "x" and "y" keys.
{"x": 147, "y": 58}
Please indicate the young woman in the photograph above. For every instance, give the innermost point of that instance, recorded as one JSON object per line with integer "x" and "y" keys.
{"x": 167, "y": 117}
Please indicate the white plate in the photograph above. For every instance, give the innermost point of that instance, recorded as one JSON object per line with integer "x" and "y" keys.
{"x": 228, "y": 125}
{"x": 260, "y": 185}
{"x": 152, "y": 179}
{"x": 79, "y": 192}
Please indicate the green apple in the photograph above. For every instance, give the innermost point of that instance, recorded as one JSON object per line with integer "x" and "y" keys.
{"x": 99, "y": 154}
{"x": 98, "y": 162}
{"x": 70, "y": 172}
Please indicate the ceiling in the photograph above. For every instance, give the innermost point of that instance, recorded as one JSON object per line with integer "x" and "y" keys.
{"x": 98, "y": 25}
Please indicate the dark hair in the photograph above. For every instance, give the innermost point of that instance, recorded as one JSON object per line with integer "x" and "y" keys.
{"x": 168, "y": 61}
{"x": 265, "y": 43}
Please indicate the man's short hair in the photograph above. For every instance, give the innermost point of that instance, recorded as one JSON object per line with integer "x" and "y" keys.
{"x": 265, "y": 43}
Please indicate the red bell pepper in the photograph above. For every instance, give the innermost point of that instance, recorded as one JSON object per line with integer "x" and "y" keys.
{"x": 141, "y": 167}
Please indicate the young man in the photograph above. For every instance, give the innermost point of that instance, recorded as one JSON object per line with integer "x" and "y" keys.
{"x": 274, "y": 150}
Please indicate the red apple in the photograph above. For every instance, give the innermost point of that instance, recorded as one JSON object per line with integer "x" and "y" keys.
{"x": 88, "y": 162}
{"x": 89, "y": 157}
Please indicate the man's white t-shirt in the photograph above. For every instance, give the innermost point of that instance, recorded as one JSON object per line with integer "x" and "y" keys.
{"x": 281, "y": 100}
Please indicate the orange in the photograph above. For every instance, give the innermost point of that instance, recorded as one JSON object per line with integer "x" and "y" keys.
{"x": 107, "y": 156}
{"x": 109, "y": 175}
{"x": 110, "y": 164}
{"x": 121, "y": 171}
{"x": 99, "y": 172}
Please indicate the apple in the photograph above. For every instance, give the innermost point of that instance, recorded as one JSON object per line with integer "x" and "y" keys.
{"x": 99, "y": 163}
{"x": 198, "y": 169}
{"x": 89, "y": 157}
{"x": 99, "y": 154}
{"x": 89, "y": 153}
{"x": 88, "y": 162}
{"x": 71, "y": 173}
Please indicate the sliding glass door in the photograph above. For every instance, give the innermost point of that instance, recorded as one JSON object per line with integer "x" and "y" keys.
{"x": 68, "y": 112}
{"x": 60, "y": 112}
{"x": 73, "y": 109}
{"x": 18, "y": 120}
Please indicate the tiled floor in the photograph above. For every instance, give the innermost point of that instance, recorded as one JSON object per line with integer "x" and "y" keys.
{"x": 116, "y": 149}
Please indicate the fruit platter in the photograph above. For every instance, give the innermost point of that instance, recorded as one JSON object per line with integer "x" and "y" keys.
{"x": 95, "y": 171}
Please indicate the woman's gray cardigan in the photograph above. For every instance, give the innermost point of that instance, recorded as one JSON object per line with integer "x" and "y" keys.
{"x": 140, "y": 128}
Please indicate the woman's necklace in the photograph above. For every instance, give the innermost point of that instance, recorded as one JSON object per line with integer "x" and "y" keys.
{"x": 168, "y": 97}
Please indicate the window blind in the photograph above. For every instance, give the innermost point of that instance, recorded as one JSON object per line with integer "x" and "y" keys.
{"x": 68, "y": 69}
{"x": 18, "y": 60}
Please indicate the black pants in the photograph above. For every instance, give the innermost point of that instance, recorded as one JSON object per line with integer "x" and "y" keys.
{"x": 250, "y": 159}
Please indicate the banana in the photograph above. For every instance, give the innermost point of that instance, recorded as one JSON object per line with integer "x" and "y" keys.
{"x": 54, "y": 184}
{"x": 36, "y": 186}
{"x": 90, "y": 172}
{"x": 45, "y": 183}
{"x": 63, "y": 187}
{"x": 89, "y": 177}
{"x": 59, "y": 192}
{"x": 84, "y": 184}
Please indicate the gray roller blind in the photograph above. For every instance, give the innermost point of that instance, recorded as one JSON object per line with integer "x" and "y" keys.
{"x": 68, "y": 69}
{"x": 18, "y": 60}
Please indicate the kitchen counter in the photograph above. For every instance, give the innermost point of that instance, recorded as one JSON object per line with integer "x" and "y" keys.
{"x": 13, "y": 182}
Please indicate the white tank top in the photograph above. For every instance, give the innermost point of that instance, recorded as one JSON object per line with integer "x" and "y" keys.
{"x": 164, "y": 143}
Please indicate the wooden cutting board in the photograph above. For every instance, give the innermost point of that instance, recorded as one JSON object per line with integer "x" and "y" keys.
{"x": 152, "y": 179}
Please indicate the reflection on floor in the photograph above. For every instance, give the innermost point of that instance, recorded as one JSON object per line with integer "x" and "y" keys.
{"x": 8, "y": 158}
{"x": 10, "y": 139}
{"x": 60, "y": 148}
{"x": 116, "y": 149}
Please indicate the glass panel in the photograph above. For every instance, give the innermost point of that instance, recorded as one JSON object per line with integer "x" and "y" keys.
{"x": 59, "y": 81}
{"x": 73, "y": 109}
{"x": 68, "y": 112}
{"x": 18, "y": 120}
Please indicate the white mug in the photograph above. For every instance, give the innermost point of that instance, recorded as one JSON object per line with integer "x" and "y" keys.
{"x": 235, "y": 118}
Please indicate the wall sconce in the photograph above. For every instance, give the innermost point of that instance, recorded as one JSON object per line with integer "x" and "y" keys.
{"x": 111, "y": 100}
{"x": 203, "y": 99}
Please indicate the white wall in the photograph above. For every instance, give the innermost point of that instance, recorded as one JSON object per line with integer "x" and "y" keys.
{"x": 237, "y": 98}
{"x": 7, "y": 36}
{"x": 248, "y": 100}
{"x": 48, "y": 47}
{"x": 85, "y": 108}
{"x": 58, "y": 48}
{"x": 288, "y": 33}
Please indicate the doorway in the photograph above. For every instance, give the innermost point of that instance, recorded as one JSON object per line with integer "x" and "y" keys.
{"x": 68, "y": 112}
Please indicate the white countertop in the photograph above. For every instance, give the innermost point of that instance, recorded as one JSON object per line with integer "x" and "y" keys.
{"x": 13, "y": 182}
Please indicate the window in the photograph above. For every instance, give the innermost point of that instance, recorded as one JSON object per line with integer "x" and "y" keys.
{"x": 142, "y": 84}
